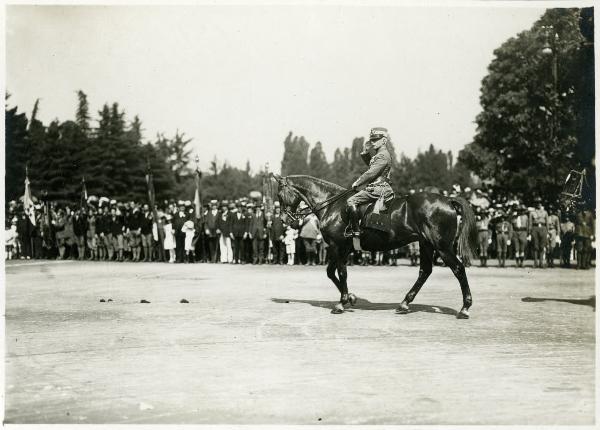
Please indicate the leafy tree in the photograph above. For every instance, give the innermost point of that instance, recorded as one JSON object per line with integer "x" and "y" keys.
{"x": 16, "y": 152}
{"x": 527, "y": 132}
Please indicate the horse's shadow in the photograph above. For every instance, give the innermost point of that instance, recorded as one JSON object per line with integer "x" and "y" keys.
{"x": 585, "y": 302}
{"x": 366, "y": 305}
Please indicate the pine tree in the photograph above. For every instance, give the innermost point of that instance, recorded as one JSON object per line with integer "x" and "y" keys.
{"x": 82, "y": 115}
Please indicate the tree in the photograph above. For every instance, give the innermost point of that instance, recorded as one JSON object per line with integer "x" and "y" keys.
{"x": 527, "y": 132}
{"x": 295, "y": 156}
{"x": 318, "y": 166}
{"x": 16, "y": 152}
{"x": 82, "y": 115}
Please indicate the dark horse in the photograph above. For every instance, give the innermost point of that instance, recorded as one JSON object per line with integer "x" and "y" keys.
{"x": 431, "y": 219}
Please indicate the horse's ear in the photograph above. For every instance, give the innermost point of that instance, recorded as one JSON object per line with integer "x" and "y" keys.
{"x": 276, "y": 176}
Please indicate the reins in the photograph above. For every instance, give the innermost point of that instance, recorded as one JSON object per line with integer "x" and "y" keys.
{"x": 318, "y": 207}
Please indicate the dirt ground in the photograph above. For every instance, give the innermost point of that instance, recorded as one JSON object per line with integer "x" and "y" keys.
{"x": 259, "y": 345}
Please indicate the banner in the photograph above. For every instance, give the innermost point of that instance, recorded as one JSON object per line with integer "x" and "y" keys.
{"x": 84, "y": 194}
{"x": 197, "y": 200}
{"x": 27, "y": 201}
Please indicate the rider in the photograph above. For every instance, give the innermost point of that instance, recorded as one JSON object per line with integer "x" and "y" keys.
{"x": 379, "y": 160}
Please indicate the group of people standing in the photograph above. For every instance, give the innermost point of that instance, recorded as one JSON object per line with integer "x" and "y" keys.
{"x": 545, "y": 232}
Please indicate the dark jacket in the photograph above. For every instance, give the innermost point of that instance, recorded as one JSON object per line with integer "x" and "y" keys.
{"x": 224, "y": 223}
{"x": 210, "y": 222}
{"x": 79, "y": 225}
{"x": 257, "y": 226}
{"x": 277, "y": 228}
{"x": 134, "y": 221}
{"x": 178, "y": 222}
{"x": 238, "y": 226}
{"x": 146, "y": 223}
{"x": 116, "y": 225}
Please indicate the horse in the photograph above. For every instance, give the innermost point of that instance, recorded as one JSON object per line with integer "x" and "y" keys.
{"x": 429, "y": 218}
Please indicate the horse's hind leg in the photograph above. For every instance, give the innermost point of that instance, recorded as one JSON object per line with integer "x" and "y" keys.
{"x": 424, "y": 272}
{"x": 458, "y": 269}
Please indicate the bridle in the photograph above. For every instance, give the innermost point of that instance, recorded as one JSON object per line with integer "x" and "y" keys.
{"x": 287, "y": 209}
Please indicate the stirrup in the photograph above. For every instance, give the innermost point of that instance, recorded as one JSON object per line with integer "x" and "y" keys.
{"x": 349, "y": 232}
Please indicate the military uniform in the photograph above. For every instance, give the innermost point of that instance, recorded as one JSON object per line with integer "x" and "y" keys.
{"x": 504, "y": 233}
{"x": 520, "y": 224}
{"x": 483, "y": 232}
{"x": 377, "y": 177}
{"x": 567, "y": 233}
{"x": 585, "y": 226}
{"x": 538, "y": 222}
{"x": 553, "y": 235}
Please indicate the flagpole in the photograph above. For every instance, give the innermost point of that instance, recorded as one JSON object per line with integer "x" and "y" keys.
{"x": 151, "y": 198}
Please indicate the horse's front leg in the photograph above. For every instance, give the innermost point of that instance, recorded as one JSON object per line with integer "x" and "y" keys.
{"x": 346, "y": 299}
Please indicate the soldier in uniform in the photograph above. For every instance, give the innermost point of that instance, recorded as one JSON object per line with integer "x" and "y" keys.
{"x": 504, "y": 233}
{"x": 553, "y": 235}
{"x": 485, "y": 238}
{"x": 377, "y": 156}
{"x": 520, "y": 223}
{"x": 413, "y": 251}
{"x": 538, "y": 222}
{"x": 567, "y": 233}
{"x": 585, "y": 226}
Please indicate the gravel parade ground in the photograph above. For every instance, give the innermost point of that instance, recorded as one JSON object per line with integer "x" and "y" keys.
{"x": 258, "y": 345}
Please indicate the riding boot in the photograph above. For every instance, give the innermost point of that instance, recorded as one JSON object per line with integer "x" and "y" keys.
{"x": 354, "y": 218}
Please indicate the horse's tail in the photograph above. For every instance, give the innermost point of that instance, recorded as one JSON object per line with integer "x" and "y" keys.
{"x": 467, "y": 232}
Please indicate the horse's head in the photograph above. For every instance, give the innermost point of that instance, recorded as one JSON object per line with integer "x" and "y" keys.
{"x": 288, "y": 197}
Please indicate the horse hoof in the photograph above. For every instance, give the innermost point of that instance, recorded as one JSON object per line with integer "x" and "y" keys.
{"x": 402, "y": 309}
{"x": 338, "y": 309}
{"x": 353, "y": 299}
{"x": 463, "y": 314}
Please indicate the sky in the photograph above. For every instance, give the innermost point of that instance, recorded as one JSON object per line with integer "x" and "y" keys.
{"x": 236, "y": 79}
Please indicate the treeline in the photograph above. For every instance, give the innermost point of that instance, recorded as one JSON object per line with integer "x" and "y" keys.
{"x": 433, "y": 167}
{"x": 109, "y": 152}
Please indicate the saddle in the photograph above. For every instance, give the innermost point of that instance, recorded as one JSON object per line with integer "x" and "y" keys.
{"x": 376, "y": 219}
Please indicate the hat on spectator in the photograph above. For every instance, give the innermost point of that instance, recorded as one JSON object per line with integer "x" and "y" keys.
{"x": 187, "y": 203}
{"x": 467, "y": 189}
{"x": 277, "y": 204}
{"x": 231, "y": 205}
{"x": 113, "y": 202}
{"x": 250, "y": 205}
{"x": 180, "y": 203}
{"x": 213, "y": 202}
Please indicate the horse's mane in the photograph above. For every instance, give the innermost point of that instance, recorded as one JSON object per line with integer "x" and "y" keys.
{"x": 328, "y": 186}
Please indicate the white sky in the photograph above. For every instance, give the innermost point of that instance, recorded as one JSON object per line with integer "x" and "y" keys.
{"x": 237, "y": 79}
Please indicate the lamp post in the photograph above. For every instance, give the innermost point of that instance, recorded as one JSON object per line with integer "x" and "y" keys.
{"x": 550, "y": 49}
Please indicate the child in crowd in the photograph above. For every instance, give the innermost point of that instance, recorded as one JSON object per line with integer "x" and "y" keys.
{"x": 290, "y": 244}
{"x": 169, "y": 243}
{"x": 10, "y": 236}
{"x": 189, "y": 230}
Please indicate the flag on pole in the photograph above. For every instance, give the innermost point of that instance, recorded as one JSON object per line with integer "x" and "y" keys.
{"x": 27, "y": 201}
{"x": 197, "y": 200}
{"x": 150, "y": 184}
{"x": 84, "y": 194}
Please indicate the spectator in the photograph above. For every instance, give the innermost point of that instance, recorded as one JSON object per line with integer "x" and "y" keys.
{"x": 290, "y": 244}
{"x": 169, "y": 242}
{"x": 211, "y": 230}
{"x": 146, "y": 232}
{"x": 308, "y": 233}
{"x": 258, "y": 236}
{"x": 189, "y": 230}
{"x": 80, "y": 232}
{"x": 567, "y": 231}
{"x": 178, "y": 220}
{"x": 237, "y": 233}
{"x": 11, "y": 237}
{"x": 248, "y": 224}
{"x": 91, "y": 235}
{"x": 277, "y": 235}
{"x": 224, "y": 228}
{"x": 116, "y": 228}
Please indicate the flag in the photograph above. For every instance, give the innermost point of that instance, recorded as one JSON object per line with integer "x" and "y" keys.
{"x": 27, "y": 201}
{"x": 197, "y": 200}
{"x": 150, "y": 184}
{"x": 84, "y": 194}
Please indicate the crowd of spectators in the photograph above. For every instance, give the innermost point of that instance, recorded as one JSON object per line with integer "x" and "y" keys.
{"x": 243, "y": 231}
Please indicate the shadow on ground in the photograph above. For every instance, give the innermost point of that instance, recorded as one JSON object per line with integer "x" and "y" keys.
{"x": 366, "y": 305}
{"x": 586, "y": 302}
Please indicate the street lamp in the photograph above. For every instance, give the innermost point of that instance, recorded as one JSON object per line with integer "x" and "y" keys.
{"x": 551, "y": 50}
